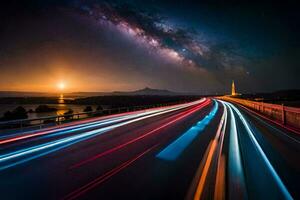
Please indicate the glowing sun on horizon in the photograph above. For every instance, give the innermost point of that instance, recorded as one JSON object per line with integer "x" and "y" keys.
{"x": 61, "y": 85}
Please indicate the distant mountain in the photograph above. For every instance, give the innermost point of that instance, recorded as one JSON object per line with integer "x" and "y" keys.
{"x": 145, "y": 91}
{"x": 148, "y": 91}
{"x": 86, "y": 94}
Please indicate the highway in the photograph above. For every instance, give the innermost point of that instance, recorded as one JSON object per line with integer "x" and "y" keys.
{"x": 207, "y": 149}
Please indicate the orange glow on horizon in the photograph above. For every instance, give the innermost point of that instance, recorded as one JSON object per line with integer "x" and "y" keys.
{"x": 61, "y": 85}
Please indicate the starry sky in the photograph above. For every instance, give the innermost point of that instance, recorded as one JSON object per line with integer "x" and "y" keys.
{"x": 184, "y": 46}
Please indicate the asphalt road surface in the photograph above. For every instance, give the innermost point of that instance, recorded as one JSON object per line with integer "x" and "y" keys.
{"x": 207, "y": 149}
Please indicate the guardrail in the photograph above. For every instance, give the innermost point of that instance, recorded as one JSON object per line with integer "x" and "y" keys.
{"x": 38, "y": 123}
{"x": 285, "y": 115}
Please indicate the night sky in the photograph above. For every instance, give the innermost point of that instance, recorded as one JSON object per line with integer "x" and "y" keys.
{"x": 127, "y": 45}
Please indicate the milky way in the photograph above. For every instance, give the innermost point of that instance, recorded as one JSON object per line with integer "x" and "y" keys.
{"x": 104, "y": 45}
{"x": 153, "y": 31}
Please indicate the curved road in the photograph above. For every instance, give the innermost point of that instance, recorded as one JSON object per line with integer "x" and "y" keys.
{"x": 207, "y": 149}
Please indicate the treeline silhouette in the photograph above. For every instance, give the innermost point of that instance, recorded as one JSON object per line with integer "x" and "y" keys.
{"x": 17, "y": 113}
{"x": 21, "y": 113}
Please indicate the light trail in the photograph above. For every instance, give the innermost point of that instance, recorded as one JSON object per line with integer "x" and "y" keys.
{"x": 74, "y": 139}
{"x": 80, "y": 191}
{"x": 179, "y": 117}
{"x": 220, "y": 189}
{"x": 65, "y": 130}
{"x": 173, "y": 150}
{"x": 258, "y": 116}
{"x": 236, "y": 173}
{"x": 269, "y": 166}
{"x": 70, "y": 124}
{"x": 206, "y": 161}
{"x": 41, "y": 154}
{"x": 71, "y": 129}
{"x": 206, "y": 168}
{"x": 267, "y": 119}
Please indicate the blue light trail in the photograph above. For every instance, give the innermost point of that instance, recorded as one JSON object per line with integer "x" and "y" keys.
{"x": 268, "y": 164}
{"x": 9, "y": 159}
{"x": 172, "y": 151}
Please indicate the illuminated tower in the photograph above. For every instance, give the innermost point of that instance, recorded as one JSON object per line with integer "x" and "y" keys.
{"x": 233, "y": 93}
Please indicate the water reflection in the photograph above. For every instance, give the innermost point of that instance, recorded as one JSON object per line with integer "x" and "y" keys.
{"x": 61, "y": 99}
{"x": 61, "y": 112}
{"x": 62, "y": 106}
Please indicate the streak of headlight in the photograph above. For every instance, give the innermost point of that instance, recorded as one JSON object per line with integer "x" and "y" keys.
{"x": 207, "y": 160}
{"x": 173, "y": 150}
{"x": 74, "y": 139}
{"x": 263, "y": 155}
{"x": 178, "y": 117}
{"x": 236, "y": 174}
{"x": 83, "y": 126}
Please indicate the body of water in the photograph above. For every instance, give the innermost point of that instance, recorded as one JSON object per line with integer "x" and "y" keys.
{"x": 61, "y": 109}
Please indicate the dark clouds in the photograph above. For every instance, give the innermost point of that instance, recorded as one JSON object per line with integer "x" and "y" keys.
{"x": 185, "y": 46}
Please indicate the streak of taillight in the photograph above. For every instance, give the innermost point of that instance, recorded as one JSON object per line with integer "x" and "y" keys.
{"x": 178, "y": 117}
{"x": 67, "y": 126}
{"x": 80, "y": 191}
